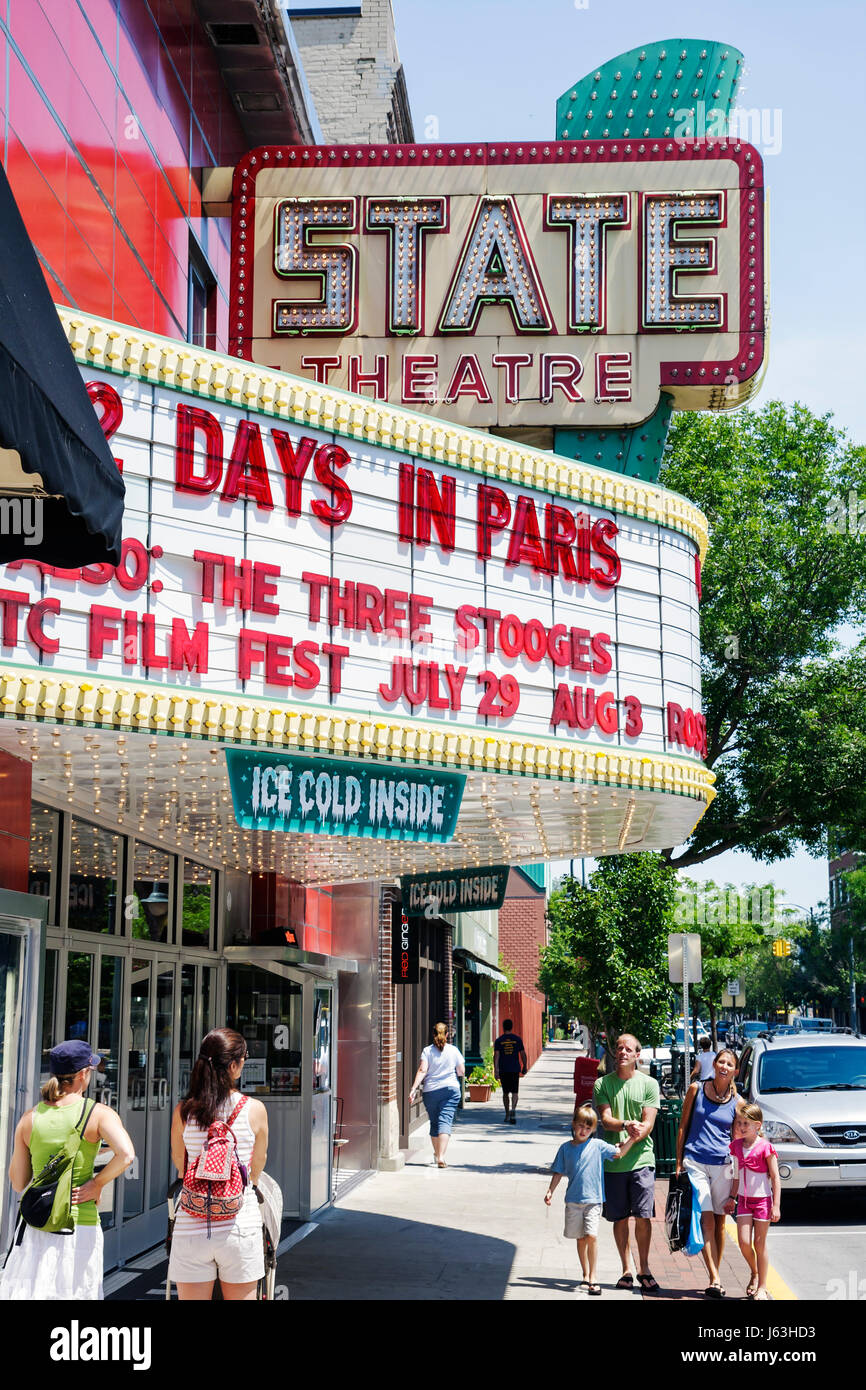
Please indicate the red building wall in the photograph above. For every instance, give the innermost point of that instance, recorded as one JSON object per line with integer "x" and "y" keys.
{"x": 108, "y": 110}
{"x": 526, "y": 1015}
{"x": 523, "y": 931}
{"x": 15, "y": 777}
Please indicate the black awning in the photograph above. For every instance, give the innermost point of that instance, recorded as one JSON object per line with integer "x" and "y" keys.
{"x": 47, "y": 418}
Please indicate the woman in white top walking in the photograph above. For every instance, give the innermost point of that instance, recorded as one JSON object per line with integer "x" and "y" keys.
{"x": 440, "y": 1066}
{"x": 705, "y": 1061}
{"x": 232, "y": 1250}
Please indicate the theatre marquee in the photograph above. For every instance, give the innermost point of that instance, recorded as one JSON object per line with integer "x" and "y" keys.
{"x": 309, "y": 573}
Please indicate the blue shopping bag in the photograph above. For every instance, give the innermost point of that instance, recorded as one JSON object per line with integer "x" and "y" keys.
{"x": 695, "y": 1242}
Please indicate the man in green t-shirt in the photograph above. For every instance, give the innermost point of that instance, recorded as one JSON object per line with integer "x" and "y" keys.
{"x": 627, "y": 1102}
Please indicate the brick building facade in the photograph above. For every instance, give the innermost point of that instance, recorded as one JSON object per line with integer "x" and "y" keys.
{"x": 522, "y": 934}
{"x": 369, "y": 103}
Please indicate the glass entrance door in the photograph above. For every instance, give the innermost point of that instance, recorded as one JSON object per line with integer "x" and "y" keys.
{"x": 171, "y": 1006}
{"x": 160, "y": 1170}
{"x": 20, "y": 957}
{"x": 321, "y": 1138}
{"x": 137, "y": 1084}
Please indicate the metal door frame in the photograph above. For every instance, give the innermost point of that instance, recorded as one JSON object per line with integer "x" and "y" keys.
{"x": 22, "y": 915}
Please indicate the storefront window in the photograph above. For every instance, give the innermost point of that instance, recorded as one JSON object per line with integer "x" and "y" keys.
{"x": 78, "y": 971}
{"x": 95, "y": 859}
{"x": 44, "y": 835}
{"x": 198, "y": 900}
{"x": 152, "y": 887}
{"x": 266, "y": 1009}
{"x": 48, "y": 999}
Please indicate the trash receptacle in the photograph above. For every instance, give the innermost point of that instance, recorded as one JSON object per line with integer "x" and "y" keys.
{"x": 678, "y": 1069}
{"x": 665, "y": 1136}
{"x": 551, "y": 1034}
{"x": 585, "y": 1073}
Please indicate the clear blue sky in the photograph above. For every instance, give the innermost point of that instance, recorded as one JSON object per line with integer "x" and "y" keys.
{"x": 493, "y": 69}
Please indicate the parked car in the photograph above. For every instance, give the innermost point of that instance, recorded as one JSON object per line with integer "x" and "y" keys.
{"x": 815, "y": 1025}
{"x": 752, "y": 1027}
{"x": 812, "y": 1090}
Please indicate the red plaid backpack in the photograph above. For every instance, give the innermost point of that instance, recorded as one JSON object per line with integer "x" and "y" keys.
{"x": 214, "y": 1186}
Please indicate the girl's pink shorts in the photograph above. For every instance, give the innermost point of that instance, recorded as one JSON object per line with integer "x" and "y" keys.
{"x": 759, "y": 1208}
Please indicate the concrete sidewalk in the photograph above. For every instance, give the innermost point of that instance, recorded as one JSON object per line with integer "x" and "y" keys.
{"x": 479, "y": 1229}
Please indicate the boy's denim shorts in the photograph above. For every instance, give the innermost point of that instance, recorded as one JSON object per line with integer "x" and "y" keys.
{"x": 441, "y": 1106}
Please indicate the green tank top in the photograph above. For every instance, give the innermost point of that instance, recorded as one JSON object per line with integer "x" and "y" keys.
{"x": 52, "y": 1126}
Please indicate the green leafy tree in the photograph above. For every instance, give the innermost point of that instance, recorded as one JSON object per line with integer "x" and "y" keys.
{"x": 606, "y": 959}
{"x": 728, "y": 920}
{"x": 776, "y": 984}
{"x": 785, "y": 708}
{"x": 815, "y": 975}
{"x": 509, "y": 984}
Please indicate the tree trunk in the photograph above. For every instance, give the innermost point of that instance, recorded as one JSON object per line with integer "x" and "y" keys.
{"x": 713, "y": 1027}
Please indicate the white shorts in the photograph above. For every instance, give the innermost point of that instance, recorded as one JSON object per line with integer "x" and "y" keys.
{"x": 50, "y": 1267}
{"x": 712, "y": 1181}
{"x": 581, "y": 1219}
{"x": 232, "y": 1256}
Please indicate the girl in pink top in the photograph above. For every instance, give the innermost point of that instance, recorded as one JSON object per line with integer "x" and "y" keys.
{"x": 756, "y": 1187}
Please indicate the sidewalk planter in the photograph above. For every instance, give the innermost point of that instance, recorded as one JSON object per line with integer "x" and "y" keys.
{"x": 481, "y": 1081}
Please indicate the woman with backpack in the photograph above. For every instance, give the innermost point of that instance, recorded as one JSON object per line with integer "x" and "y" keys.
{"x": 219, "y": 1145}
{"x": 46, "y": 1263}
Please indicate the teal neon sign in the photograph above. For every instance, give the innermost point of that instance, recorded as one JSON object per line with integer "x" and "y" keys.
{"x": 331, "y": 796}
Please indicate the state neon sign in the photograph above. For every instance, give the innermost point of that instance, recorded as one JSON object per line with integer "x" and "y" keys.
{"x": 506, "y": 285}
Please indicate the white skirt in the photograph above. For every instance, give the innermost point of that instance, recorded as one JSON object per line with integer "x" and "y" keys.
{"x": 46, "y": 1266}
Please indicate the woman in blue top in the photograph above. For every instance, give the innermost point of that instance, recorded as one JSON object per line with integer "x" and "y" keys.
{"x": 703, "y": 1152}
{"x": 439, "y": 1069}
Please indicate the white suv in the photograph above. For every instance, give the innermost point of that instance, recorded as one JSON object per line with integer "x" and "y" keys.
{"x": 812, "y": 1090}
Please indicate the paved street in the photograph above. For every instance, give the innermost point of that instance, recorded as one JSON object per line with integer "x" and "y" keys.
{"x": 479, "y": 1229}
{"x": 820, "y": 1246}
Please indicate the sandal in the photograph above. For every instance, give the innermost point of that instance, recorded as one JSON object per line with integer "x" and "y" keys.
{"x": 714, "y": 1291}
{"x": 440, "y": 1163}
{"x": 647, "y": 1283}
{"x": 752, "y": 1287}
{"x": 594, "y": 1288}
{"x": 625, "y": 1281}
{"x": 762, "y": 1296}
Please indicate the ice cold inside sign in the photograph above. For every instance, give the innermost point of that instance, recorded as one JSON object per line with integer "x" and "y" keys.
{"x": 330, "y": 797}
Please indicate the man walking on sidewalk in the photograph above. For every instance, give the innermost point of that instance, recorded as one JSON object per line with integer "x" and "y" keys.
{"x": 627, "y": 1101}
{"x": 509, "y": 1064}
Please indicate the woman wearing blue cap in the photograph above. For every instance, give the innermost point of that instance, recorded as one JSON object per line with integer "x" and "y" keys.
{"x": 44, "y": 1265}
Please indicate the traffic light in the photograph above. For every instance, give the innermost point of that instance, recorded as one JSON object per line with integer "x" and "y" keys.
{"x": 781, "y": 947}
